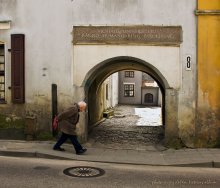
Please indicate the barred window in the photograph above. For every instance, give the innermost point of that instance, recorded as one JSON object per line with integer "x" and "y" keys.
{"x": 129, "y": 74}
{"x": 129, "y": 90}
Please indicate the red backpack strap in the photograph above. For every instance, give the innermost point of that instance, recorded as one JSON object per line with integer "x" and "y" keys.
{"x": 55, "y": 123}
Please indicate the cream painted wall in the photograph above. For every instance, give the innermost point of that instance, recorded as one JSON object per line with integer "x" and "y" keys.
{"x": 48, "y": 26}
{"x": 114, "y": 89}
{"x": 51, "y": 58}
{"x": 165, "y": 59}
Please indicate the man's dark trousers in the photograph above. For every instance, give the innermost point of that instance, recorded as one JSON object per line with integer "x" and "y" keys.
{"x": 73, "y": 139}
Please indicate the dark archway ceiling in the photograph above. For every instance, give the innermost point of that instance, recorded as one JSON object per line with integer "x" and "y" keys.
{"x": 104, "y": 69}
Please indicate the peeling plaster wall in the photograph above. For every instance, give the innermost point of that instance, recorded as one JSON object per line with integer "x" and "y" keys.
{"x": 208, "y": 118}
{"x": 48, "y": 25}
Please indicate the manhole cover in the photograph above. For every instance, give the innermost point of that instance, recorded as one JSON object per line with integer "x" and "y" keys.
{"x": 84, "y": 172}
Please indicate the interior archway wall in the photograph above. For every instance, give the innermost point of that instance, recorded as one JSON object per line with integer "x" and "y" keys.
{"x": 100, "y": 72}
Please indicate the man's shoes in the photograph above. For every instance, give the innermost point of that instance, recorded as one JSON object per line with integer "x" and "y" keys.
{"x": 80, "y": 152}
{"x": 59, "y": 149}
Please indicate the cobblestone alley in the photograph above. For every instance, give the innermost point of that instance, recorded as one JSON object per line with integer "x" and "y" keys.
{"x": 132, "y": 127}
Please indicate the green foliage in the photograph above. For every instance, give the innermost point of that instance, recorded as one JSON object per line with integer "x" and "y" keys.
{"x": 7, "y": 122}
{"x": 217, "y": 144}
{"x": 44, "y": 136}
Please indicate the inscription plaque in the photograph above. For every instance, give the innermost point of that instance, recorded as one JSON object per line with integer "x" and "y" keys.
{"x": 155, "y": 35}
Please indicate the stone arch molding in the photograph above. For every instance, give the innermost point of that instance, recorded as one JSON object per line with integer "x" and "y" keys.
{"x": 104, "y": 69}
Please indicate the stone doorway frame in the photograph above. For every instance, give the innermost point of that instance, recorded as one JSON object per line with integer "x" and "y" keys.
{"x": 101, "y": 71}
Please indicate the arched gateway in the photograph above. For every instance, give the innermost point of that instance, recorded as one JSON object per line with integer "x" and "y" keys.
{"x": 93, "y": 63}
{"x": 95, "y": 77}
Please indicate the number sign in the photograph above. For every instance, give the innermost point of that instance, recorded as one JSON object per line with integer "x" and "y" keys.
{"x": 188, "y": 62}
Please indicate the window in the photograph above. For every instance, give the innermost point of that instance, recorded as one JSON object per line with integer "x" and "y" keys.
{"x": 148, "y": 98}
{"x": 106, "y": 91}
{"x": 2, "y": 73}
{"x": 129, "y": 90}
{"x": 129, "y": 74}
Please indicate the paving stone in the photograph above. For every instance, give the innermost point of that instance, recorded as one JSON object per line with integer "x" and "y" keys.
{"x": 122, "y": 131}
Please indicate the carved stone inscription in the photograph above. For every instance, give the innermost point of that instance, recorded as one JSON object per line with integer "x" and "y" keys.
{"x": 158, "y": 35}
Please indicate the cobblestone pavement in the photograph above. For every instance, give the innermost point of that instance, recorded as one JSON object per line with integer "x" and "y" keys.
{"x": 122, "y": 131}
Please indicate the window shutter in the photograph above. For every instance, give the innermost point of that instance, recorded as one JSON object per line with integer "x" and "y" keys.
{"x": 17, "y": 68}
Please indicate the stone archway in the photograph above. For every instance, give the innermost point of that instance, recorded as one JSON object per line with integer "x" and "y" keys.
{"x": 101, "y": 71}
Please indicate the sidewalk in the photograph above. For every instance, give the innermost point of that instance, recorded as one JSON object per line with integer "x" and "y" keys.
{"x": 152, "y": 156}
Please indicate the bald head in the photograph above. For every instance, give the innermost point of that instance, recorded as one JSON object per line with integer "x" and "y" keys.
{"x": 82, "y": 106}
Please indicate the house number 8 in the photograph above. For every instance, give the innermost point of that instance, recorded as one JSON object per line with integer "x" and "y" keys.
{"x": 188, "y": 62}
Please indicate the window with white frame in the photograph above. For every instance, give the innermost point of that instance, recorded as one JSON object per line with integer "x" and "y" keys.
{"x": 128, "y": 90}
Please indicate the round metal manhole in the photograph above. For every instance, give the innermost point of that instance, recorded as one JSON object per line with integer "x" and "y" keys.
{"x": 84, "y": 172}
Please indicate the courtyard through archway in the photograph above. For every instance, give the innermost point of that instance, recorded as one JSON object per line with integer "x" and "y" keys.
{"x": 124, "y": 130}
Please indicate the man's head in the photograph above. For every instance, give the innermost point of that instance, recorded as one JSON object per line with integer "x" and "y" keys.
{"x": 82, "y": 106}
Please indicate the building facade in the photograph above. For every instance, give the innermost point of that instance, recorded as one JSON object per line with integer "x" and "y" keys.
{"x": 77, "y": 44}
{"x": 136, "y": 87}
{"x": 130, "y": 87}
{"x": 151, "y": 94}
{"x": 208, "y": 103}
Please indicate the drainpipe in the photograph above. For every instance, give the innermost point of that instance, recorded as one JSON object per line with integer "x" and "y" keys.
{"x": 54, "y": 106}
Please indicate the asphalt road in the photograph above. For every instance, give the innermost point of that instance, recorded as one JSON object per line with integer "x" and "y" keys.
{"x": 43, "y": 173}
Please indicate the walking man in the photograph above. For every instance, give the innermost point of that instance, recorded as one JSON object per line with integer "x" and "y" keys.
{"x": 67, "y": 121}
